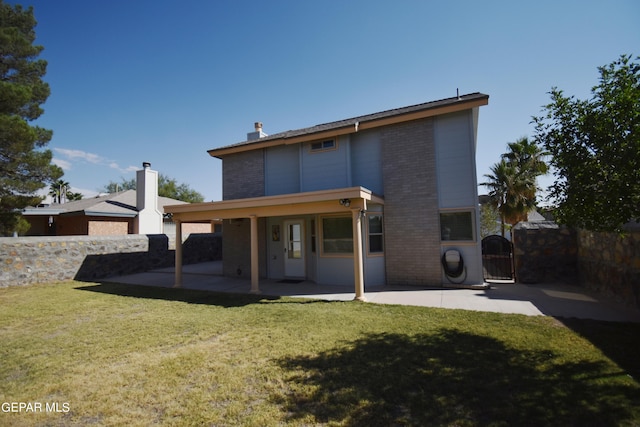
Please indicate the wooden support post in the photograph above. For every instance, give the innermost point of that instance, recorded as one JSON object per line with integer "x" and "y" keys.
{"x": 178, "y": 277}
{"x": 255, "y": 271}
{"x": 358, "y": 270}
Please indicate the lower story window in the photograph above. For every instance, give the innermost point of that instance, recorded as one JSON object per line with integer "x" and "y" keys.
{"x": 456, "y": 226}
{"x": 337, "y": 235}
{"x": 376, "y": 240}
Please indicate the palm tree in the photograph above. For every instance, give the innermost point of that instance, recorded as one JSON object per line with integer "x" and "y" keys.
{"x": 504, "y": 189}
{"x": 528, "y": 158}
{"x": 512, "y": 182}
{"x": 71, "y": 196}
{"x": 59, "y": 190}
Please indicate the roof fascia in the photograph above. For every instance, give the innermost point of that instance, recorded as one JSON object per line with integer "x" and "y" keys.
{"x": 99, "y": 213}
{"x": 324, "y": 201}
{"x": 352, "y": 128}
{"x": 111, "y": 214}
{"x": 42, "y": 212}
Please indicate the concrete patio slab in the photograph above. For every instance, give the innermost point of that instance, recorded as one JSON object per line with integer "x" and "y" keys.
{"x": 531, "y": 300}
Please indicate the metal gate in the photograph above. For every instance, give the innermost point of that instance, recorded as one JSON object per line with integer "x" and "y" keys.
{"x": 497, "y": 258}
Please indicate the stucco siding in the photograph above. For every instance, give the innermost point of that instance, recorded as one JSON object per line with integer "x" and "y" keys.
{"x": 236, "y": 247}
{"x": 243, "y": 175}
{"x": 282, "y": 170}
{"x": 412, "y": 237}
{"x": 335, "y": 270}
{"x": 366, "y": 161}
{"x": 275, "y": 248}
{"x": 454, "y": 139}
{"x": 325, "y": 170}
{"x": 472, "y": 257}
{"x": 374, "y": 274}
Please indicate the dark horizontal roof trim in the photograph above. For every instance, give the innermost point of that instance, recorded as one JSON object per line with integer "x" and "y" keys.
{"x": 111, "y": 214}
{"x": 350, "y": 123}
{"x": 41, "y": 211}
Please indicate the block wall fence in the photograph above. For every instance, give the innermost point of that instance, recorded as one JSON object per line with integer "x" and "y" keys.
{"x": 28, "y": 260}
{"x": 603, "y": 262}
{"x": 606, "y": 263}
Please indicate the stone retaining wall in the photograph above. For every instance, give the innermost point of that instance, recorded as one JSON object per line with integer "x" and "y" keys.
{"x": 610, "y": 264}
{"x": 544, "y": 252}
{"x": 27, "y": 260}
{"x": 603, "y": 262}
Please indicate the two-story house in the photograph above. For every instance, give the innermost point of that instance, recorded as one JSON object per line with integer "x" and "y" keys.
{"x": 384, "y": 198}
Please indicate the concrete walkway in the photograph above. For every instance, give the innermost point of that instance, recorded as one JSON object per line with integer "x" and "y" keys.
{"x": 531, "y": 300}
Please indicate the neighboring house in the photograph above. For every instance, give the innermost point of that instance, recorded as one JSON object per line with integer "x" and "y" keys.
{"x": 534, "y": 216}
{"x": 376, "y": 199}
{"x": 137, "y": 211}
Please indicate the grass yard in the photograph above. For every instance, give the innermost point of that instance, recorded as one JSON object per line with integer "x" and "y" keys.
{"x": 104, "y": 354}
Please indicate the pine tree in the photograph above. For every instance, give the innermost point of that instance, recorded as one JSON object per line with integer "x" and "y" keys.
{"x": 25, "y": 166}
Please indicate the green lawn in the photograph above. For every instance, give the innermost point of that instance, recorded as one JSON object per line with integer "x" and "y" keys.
{"x": 127, "y": 355}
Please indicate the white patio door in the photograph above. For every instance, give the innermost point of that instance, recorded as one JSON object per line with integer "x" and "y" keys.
{"x": 294, "y": 248}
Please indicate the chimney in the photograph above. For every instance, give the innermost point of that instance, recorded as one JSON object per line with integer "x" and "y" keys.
{"x": 251, "y": 136}
{"x": 149, "y": 220}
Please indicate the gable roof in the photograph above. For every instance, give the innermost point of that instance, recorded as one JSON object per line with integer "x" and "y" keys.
{"x": 354, "y": 124}
{"x": 116, "y": 204}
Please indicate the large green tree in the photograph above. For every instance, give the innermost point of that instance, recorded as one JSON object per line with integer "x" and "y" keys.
{"x": 25, "y": 166}
{"x": 167, "y": 187}
{"x": 512, "y": 183}
{"x": 489, "y": 216}
{"x": 595, "y": 149}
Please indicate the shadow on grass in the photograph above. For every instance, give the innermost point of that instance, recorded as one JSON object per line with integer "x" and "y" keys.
{"x": 619, "y": 341}
{"x": 454, "y": 378}
{"x": 190, "y": 296}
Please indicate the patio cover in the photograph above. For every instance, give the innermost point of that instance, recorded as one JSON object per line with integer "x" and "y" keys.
{"x": 314, "y": 202}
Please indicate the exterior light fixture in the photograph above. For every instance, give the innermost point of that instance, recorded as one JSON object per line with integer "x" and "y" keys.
{"x": 345, "y": 202}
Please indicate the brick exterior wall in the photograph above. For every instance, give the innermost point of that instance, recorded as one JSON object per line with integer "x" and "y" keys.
{"x": 411, "y": 216}
{"x": 108, "y": 228}
{"x": 243, "y": 175}
{"x": 236, "y": 253}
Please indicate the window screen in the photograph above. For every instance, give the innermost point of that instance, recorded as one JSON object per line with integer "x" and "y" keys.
{"x": 337, "y": 235}
{"x": 323, "y": 145}
{"x": 376, "y": 243}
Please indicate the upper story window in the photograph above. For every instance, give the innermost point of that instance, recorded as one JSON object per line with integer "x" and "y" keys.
{"x": 328, "y": 144}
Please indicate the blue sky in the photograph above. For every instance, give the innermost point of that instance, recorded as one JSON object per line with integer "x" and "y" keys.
{"x": 164, "y": 81}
